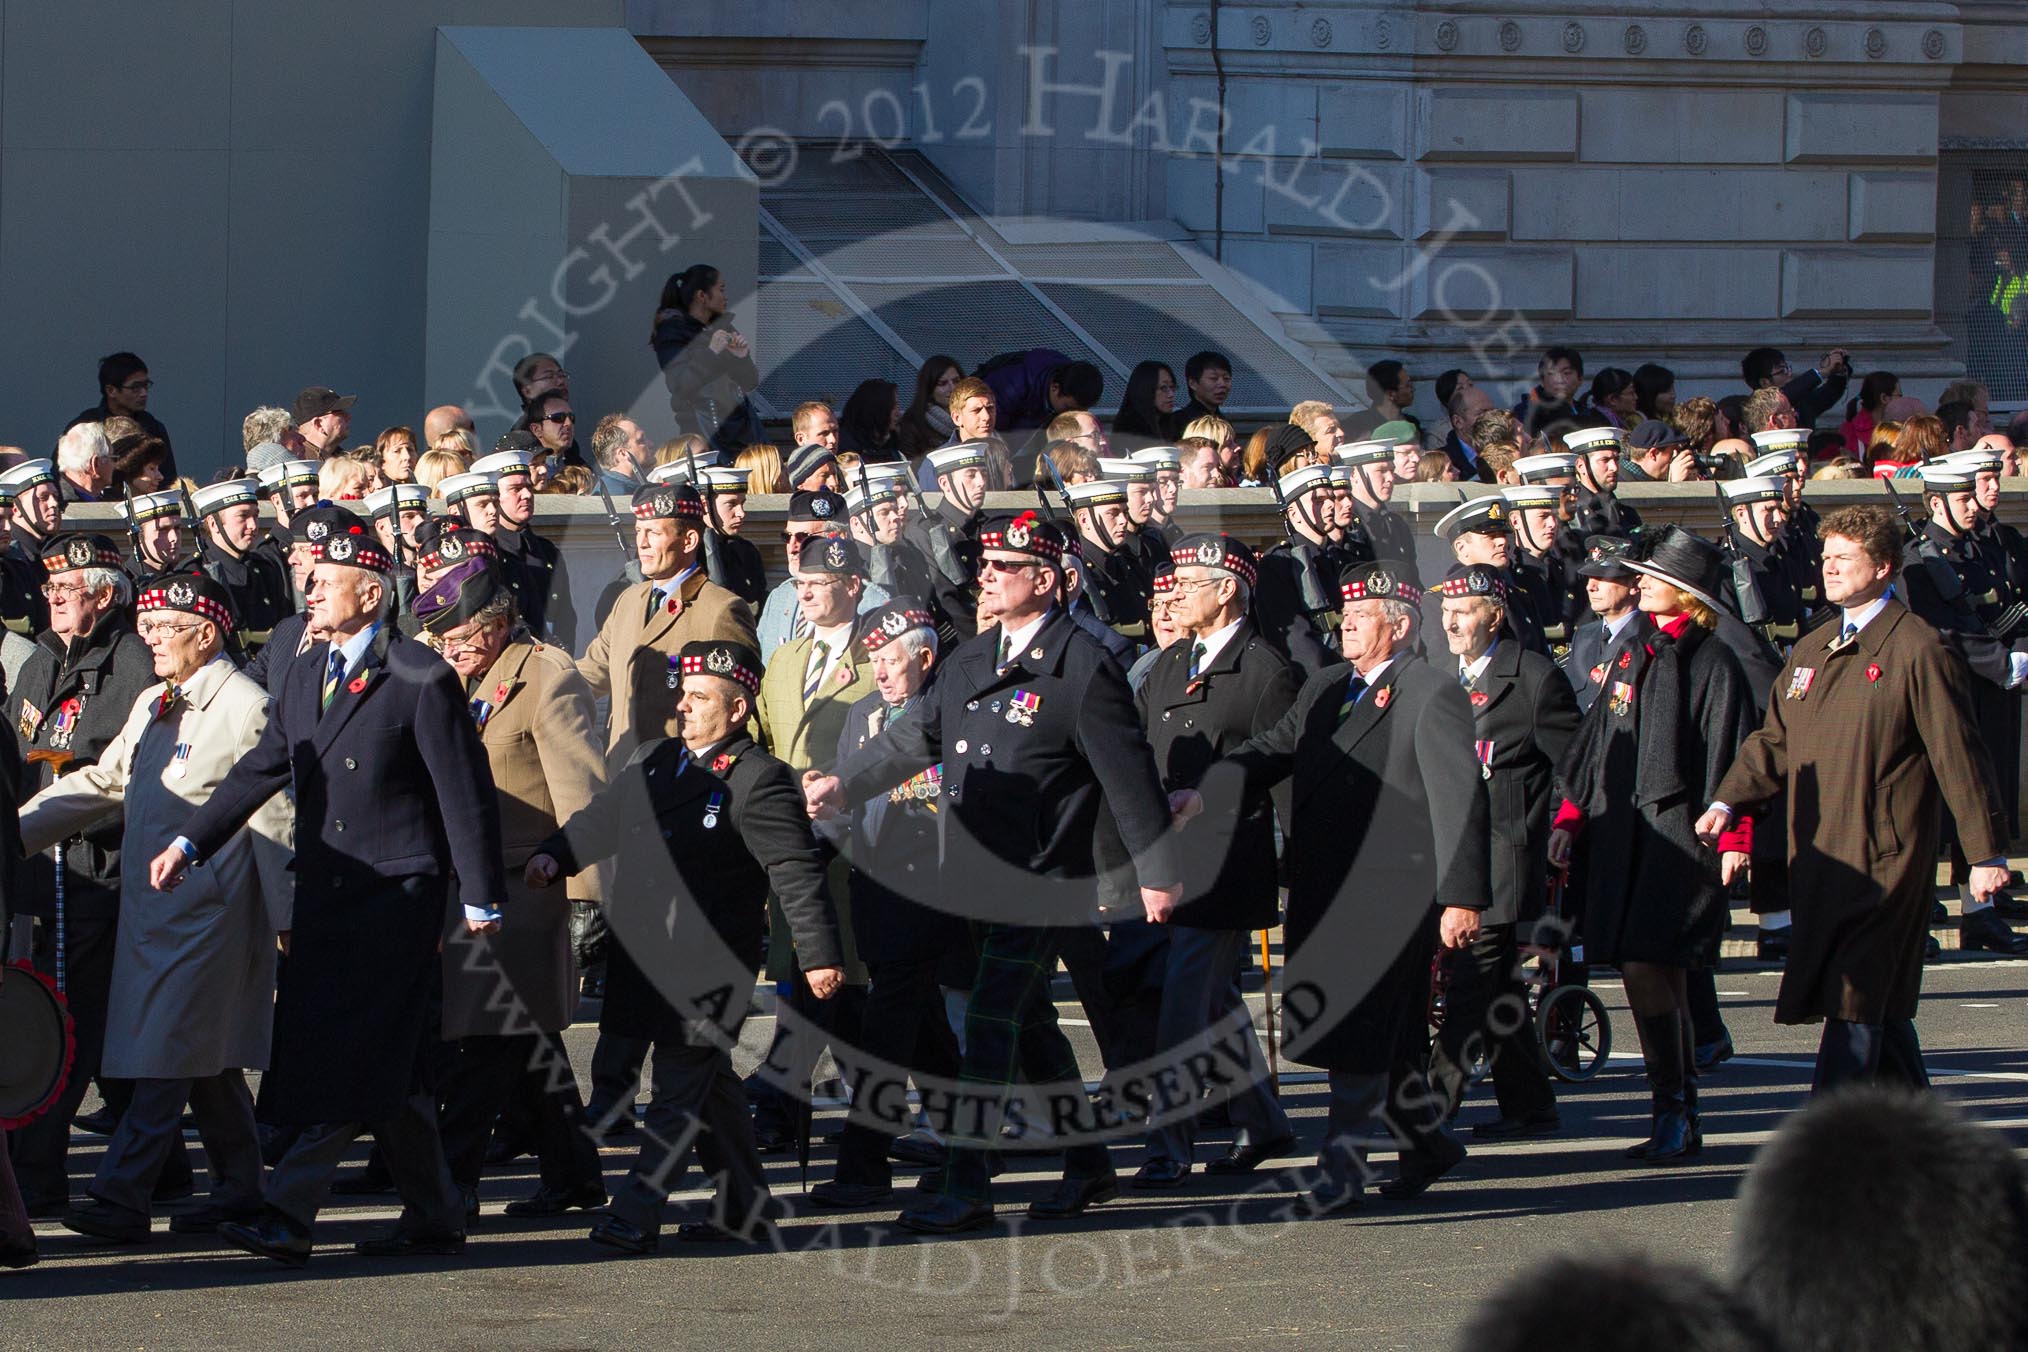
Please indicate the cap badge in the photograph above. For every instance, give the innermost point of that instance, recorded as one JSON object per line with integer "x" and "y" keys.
{"x": 452, "y": 548}
{"x": 317, "y": 530}
{"x": 340, "y": 550}
{"x": 181, "y": 593}
{"x": 894, "y": 622}
{"x": 1480, "y": 583}
{"x": 1210, "y": 554}
{"x": 834, "y": 554}
{"x": 1017, "y": 536}
{"x": 820, "y": 506}
{"x": 79, "y": 552}
{"x": 719, "y": 662}
{"x": 1380, "y": 583}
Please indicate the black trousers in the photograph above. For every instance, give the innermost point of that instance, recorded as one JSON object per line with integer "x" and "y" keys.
{"x": 1488, "y": 1006}
{"x": 407, "y": 1140}
{"x": 485, "y": 1075}
{"x": 616, "y": 1074}
{"x": 902, "y": 1025}
{"x": 1851, "y": 1052}
{"x": 41, "y": 1150}
{"x": 150, "y": 1130}
{"x": 1011, "y": 1033}
{"x": 699, "y": 1105}
{"x": 792, "y": 1056}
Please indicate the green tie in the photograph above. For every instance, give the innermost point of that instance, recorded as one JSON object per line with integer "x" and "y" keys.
{"x": 1006, "y": 649}
{"x": 333, "y": 674}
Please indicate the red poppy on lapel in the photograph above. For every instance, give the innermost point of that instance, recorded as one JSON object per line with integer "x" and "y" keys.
{"x": 721, "y": 763}
{"x": 1873, "y": 672}
{"x": 357, "y": 684}
{"x": 500, "y": 693}
{"x": 1626, "y": 660}
{"x": 1383, "y": 696}
{"x": 675, "y": 606}
{"x": 1479, "y": 697}
{"x": 1598, "y": 674}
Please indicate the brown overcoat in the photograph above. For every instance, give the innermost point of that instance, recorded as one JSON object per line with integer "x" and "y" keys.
{"x": 706, "y": 611}
{"x": 542, "y": 742}
{"x": 1870, "y": 739}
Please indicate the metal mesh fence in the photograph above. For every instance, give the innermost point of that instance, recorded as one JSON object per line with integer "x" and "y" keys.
{"x": 1982, "y": 264}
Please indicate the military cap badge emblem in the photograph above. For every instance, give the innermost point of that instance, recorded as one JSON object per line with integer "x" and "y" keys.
{"x": 79, "y": 553}
{"x": 719, "y": 662}
{"x": 181, "y": 593}
{"x": 340, "y": 550}
{"x": 1017, "y": 535}
{"x": 821, "y": 506}
{"x": 834, "y": 554}
{"x": 452, "y": 548}
{"x": 317, "y": 530}
{"x": 894, "y": 622}
{"x": 1210, "y": 554}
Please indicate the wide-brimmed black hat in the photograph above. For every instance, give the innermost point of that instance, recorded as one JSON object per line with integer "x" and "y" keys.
{"x": 1687, "y": 562}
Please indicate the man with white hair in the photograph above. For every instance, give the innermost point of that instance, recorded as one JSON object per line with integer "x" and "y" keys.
{"x": 394, "y": 796}
{"x": 72, "y": 699}
{"x": 84, "y": 459}
{"x": 193, "y": 976}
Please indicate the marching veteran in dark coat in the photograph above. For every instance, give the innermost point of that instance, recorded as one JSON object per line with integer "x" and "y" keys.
{"x": 1524, "y": 715}
{"x": 1870, "y": 729}
{"x": 1675, "y": 709}
{"x": 509, "y": 995}
{"x": 705, "y": 826}
{"x": 193, "y": 976}
{"x": 392, "y": 796}
{"x": 1218, "y": 685}
{"x": 1034, "y": 726}
{"x": 1387, "y": 855}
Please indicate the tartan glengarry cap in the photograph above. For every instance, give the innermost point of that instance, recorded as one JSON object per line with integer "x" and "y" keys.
{"x": 816, "y": 506}
{"x": 1473, "y": 579}
{"x": 462, "y": 592}
{"x": 1022, "y": 533}
{"x": 66, "y": 552}
{"x": 445, "y": 540}
{"x": 885, "y": 623}
{"x": 1216, "y": 551}
{"x": 1381, "y": 581}
{"x": 337, "y": 535}
{"x": 1163, "y": 580}
{"x": 833, "y": 556}
{"x": 719, "y": 657}
{"x": 668, "y": 502}
{"x": 191, "y": 593}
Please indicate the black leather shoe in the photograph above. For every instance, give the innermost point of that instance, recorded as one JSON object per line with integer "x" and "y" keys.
{"x": 1161, "y": 1174}
{"x": 1938, "y": 915}
{"x": 405, "y": 1243}
{"x": 47, "y": 1208}
{"x": 19, "y": 1256}
{"x": 1714, "y": 1054}
{"x": 362, "y": 1185}
{"x": 180, "y": 1190}
{"x": 556, "y": 1201}
{"x": 1672, "y": 1139}
{"x": 842, "y": 1195}
{"x": 1772, "y": 945}
{"x": 942, "y": 1214}
{"x": 1984, "y": 931}
{"x": 1542, "y": 1122}
{"x": 770, "y": 1141}
{"x": 1419, "y": 1170}
{"x": 206, "y": 1219}
{"x": 104, "y": 1221}
{"x": 915, "y": 1150}
{"x": 625, "y": 1236}
{"x": 2010, "y": 907}
{"x": 711, "y": 1232}
{"x": 1244, "y": 1159}
{"x": 100, "y": 1123}
{"x": 1075, "y": 1196}
{"x": 269, "y": 1237}
{"x": 470, "y": 1197}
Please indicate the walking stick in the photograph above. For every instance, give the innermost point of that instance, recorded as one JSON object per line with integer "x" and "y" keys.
{"x": 58, "y": 762}
{"x": 1267, "y": 980}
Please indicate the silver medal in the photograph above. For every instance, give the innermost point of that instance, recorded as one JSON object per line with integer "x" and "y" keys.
{"x": 710, "y": 820}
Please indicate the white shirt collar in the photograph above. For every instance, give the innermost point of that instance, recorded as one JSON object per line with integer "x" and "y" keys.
{"x": 1864, "y": 615}
{"x": 1614, "y": 628}
{"x": 1019, "y": 639}
{"x": 1373, "y": 677}
{"x": 1474, "y": 670}
{"x": 1215, "y": 643}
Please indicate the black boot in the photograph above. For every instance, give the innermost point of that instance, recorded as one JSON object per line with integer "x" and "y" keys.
{"x": 1663, "y": 1041}
{"x": 1693, "y": 1142}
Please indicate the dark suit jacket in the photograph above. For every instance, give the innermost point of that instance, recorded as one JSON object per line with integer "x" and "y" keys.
{"x": 891, "y": 840}
{"x": 1389, "y": 823}
{"x": 284, "y": 648}
{"x": 394, "y": 794}
{"x": 1590, "y": 657}
{"x": 700, "y": 840}
{"x": 1812, "y": 396}
{"x": 1228, "y": 856}
{"x": 1026, "y": 758}
{"x": 1524, "y": 707}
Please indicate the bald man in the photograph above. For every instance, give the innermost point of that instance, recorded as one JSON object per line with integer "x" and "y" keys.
{"x": 442, "y": 419}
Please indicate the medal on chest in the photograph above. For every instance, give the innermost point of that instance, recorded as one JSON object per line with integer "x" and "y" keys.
{"x": 65, "y": 722}
{"x": 711, "y": 807}
{"x": 1801, "y": 681}
{"x": 1022, "y": 708}
{"x": 31, "y": 719}
{"x": 179, "y": 762}
{"x": 1622, "y": 699}
{"x": 1485, "y": 753}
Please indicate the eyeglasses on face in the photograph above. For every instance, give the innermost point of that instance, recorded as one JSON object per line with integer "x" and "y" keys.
{"x": 558, "y": 418}
{"x": 137, "y": 386}
{"x": 1003, "y": 566}
{"x": 166, "y": 628}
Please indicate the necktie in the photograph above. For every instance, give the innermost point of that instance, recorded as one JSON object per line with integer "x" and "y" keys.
{"x": 657, "y": 598}
{"x": 1006, "y": 650}
{"x": 1851, "y": 631}
{"x": 820, "y": 656}
{"x": 798, "y": 626}
{"x": 1465, "y": 677}
{"x": 1196, "y": 658}
{"x": 1353, "y": 694}
{"x": 334, "y": 672}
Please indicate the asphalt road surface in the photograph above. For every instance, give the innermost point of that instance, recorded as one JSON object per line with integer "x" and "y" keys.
{"x": 1208, "y": 1265}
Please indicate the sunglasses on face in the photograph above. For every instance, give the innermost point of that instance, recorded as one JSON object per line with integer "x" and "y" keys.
{"x": 558, "y": 418}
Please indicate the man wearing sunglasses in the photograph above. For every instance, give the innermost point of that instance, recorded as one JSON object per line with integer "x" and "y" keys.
{"x": 553, "y": 422}
{"x": 124, "y": 385}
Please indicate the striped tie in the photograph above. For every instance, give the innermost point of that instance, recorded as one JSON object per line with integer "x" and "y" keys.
{"x": 812, "y": 679}
{"x": 1196, "y": 658}
{"x": 333, "y": 674}
{"x": 1353, "y": 694}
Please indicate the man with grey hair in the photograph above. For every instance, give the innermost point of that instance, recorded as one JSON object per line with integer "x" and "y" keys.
{"x": 372, "y": 730}
{"x": 890, "y": 841}
{"x": 74, "y": 695}
{"x": 268, "y": 424}
{"x": 84, "y": 462}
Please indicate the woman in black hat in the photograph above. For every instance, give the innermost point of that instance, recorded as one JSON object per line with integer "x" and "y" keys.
{"x": 1670, "y": 715}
